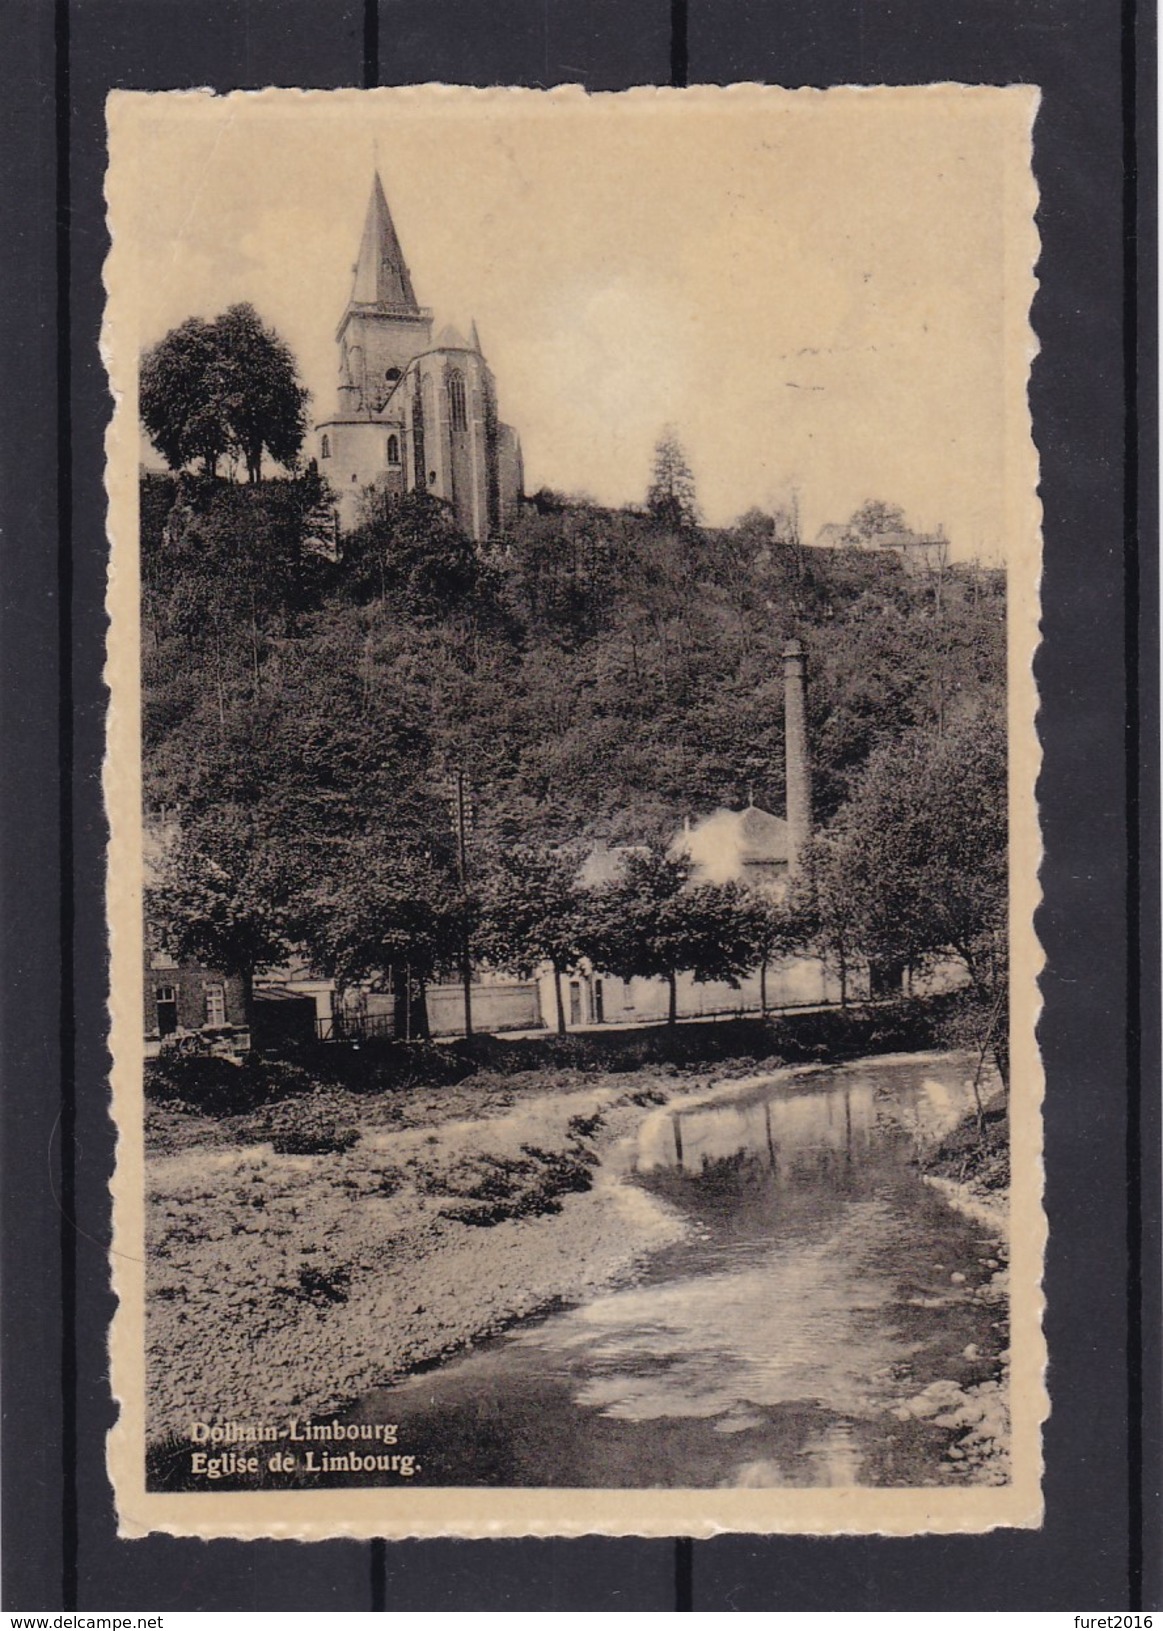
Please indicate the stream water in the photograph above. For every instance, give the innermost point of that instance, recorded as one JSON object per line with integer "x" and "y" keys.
{"x": 821, "y": 1285}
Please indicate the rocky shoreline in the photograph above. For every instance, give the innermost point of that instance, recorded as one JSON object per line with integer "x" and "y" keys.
{"x": 971, "y": 1173}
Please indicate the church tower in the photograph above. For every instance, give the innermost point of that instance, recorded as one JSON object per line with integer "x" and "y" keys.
{"x": 412, "y": 415}
{"x": 382, "y": 328}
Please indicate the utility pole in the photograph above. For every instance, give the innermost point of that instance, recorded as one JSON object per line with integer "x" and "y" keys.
{"x": 461, "y": 818}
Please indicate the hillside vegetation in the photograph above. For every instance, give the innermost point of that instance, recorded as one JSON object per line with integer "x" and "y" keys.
{"x": 594, "y": 672}
{"x": 387, "y": 759}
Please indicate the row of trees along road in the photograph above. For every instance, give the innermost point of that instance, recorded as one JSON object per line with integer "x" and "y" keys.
{"x": 913, "y": 870}
{"x": 594, "y": 672}
{"x": 383, "y": 917}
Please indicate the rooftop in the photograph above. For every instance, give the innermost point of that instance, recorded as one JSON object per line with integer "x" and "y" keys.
{"x": 728, "y": 844}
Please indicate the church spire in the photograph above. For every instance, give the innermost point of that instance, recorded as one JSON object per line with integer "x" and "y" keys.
{"x": 381, "y": 275}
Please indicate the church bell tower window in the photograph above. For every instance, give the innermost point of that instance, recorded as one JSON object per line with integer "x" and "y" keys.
{"x": 325, "y": 448}
{"x": 393, "y": 450}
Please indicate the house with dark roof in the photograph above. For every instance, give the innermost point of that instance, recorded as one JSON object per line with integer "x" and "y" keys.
{"x": 749, "y": 846}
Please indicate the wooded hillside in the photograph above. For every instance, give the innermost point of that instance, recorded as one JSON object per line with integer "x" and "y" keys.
{"x": 311, "y": 723}
{"x": 595, "y": 672}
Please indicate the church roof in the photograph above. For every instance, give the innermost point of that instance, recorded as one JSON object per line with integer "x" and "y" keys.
{"x": 381, "y": 274}
{"x": 451, "y": 339}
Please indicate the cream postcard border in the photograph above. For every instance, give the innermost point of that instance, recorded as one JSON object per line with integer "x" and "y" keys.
{"x": 417, "y": 1512}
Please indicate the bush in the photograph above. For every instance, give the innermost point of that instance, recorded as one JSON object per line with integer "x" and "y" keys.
{"x": 193, "y": 1082}
{"x": 281, "y": 1079}
{"x": 490, "y": 1189}
{"x": 216, "y": 1086}
{"x": 385, "y": 1067}
{"x": 805, "y": 1038}
{"x": 975, "y": 1151}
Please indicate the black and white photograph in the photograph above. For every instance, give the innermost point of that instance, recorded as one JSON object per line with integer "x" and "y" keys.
{"x": 572, "y": 773}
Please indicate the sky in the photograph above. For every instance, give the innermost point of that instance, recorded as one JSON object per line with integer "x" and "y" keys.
{"x": 825, "y": 293}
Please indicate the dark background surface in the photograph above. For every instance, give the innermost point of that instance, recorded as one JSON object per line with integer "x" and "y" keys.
{"x": 1098, "y": 791}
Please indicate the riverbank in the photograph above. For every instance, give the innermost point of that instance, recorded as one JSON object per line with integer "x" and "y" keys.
{"x": 308, "y": 1250}
{"x": 970, "y": 1166}
{"x": 970, "y": 1170}
{"x": 284, "y": 1284}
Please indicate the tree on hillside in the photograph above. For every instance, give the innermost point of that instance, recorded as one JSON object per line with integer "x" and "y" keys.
{"x": 650, "y": 924}
{"x": 670, "y": 497}
{"x": 226, "y": 576}
{"x": 410, "y": 552}
{"x": 264, "y": 403}
{"x": 756, "y": 527}
{"x": 874, "y": 519}
{"x": 227, "y": 386}
{"x": 533, "y": 913}
{"x": 180, "y": 397}
{"x": 222, "y": 896}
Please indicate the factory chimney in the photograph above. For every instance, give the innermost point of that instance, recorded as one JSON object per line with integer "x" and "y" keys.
{"x": 797, "y": 769}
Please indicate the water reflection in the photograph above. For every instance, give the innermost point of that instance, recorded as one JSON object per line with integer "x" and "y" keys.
{"x": 769, "y": 1349}
{"x": 839, "y": 1110}
{"x": 831, "y": 1459}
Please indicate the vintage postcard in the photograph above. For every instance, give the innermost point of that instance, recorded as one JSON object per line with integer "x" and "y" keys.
{"x": 572, "y": 769}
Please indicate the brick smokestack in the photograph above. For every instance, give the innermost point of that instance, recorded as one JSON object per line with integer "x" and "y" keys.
{"x": 797, "y": 766}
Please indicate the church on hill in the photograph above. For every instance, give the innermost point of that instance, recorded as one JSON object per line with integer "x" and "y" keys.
{"x": 414, "y": 414}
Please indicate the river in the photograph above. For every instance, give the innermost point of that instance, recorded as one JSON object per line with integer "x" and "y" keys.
{"x": 820, "y": 1288}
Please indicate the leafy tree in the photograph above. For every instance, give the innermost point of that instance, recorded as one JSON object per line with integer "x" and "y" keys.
{"x": 923, "y": 842}
{"x": 670, "y": 497}
{"x": 180, "y": 396}
{"x": 721, "y": 930}
{"x": 769, "y": 930}
{"x": 823, "y": 913}
{"x": 386, "y": 916}
{"x": 649, "y": 923}
{"x": 223, "y": 895}
{"x": 914, "y": 867}
{"x": 533, "y": 913}
{"x": 874, "y": 519}
{"x": 263, "y": 402}
{"x": 226, "y": 578}
{"x": 410, "y": 553}
{"x": 756, "y": 527}
{"x": 227, "y": 386}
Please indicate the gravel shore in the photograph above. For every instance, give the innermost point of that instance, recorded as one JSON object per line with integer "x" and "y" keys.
{"x": 288, "y": 1284}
